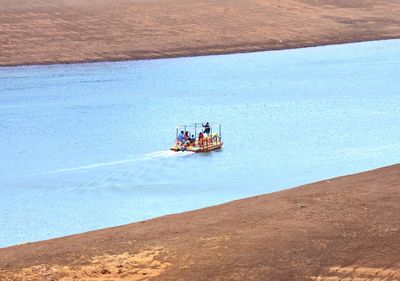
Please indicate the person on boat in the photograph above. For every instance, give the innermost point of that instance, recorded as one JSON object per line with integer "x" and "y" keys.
{"x": 181, "y": 137}
{"x": 187, "y": 137}
{"x": 192, "y": 139}
{"x": 188, "y": 141}
{"x": 201, "y": 138}
{"x": 207, "y": 128}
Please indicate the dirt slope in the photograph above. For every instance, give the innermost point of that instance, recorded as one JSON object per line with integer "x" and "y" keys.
{"x": 63, "y": 31}
{"x": 345, "y": 228}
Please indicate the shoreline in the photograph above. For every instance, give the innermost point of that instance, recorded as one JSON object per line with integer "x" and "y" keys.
{"x": 327, "y": 229}
{"x": 204, "y": 53}
{"x": 74, "y": 32}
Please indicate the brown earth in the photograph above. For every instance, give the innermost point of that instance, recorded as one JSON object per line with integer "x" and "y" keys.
{"x": 346, "y": 228}
{"x": 65, "y": 31}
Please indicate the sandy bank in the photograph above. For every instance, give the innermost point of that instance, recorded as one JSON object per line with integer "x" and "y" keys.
{"x": 348, "y": 227}
{"x": 66, "y": 31}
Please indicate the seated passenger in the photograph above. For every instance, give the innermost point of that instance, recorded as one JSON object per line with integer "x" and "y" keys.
{"x": 201, "y": 138}
{"x": 181, "y": 137}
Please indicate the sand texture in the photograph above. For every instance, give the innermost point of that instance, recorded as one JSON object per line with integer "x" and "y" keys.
{"x": 346, "y": 228}
{"x": 65, "y": 31}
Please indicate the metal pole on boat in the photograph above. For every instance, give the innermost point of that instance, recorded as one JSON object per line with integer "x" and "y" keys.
{"x": 176, "y": 133}
{"x": 212, "y": 139}
{"x": 220, "y": 135}
{"x": 195, "y": 131}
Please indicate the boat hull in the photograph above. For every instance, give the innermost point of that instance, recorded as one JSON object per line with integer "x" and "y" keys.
{"x": 200, "y": 149}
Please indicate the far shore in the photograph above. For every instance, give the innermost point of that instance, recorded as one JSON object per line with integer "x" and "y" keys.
{"x": 64, "y": 31}
{"x": 345, "y": 228}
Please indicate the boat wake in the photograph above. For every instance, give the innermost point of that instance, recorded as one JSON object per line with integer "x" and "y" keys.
{"x": 87, "y": 167}
{"x": 167, "y": 154}
{"x": 148, "y": 156}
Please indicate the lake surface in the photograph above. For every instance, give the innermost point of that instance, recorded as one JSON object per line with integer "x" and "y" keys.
{"x": 85, "y": 146}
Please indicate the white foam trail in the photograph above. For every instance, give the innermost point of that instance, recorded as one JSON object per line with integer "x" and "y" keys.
{"x": 87, "y": 167}
{"x": 167, "y": 154}
{"x": 152, "y": 155}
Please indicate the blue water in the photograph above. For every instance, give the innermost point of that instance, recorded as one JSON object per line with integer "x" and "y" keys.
{"x": 85, "y": 146}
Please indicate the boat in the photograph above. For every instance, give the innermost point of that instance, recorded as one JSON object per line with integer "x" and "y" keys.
{"x": 202, "y": 138}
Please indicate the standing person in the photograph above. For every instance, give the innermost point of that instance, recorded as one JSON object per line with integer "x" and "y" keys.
{"x": 207, "y": 129}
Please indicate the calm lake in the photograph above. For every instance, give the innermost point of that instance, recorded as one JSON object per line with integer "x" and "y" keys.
{"x": 86, "y": 146}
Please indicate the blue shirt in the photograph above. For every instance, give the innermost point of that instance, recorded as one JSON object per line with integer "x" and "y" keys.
{"x": 181, "y": 137}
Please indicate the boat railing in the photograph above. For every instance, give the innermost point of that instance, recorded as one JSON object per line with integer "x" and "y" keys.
{"x": 215, "y": 139}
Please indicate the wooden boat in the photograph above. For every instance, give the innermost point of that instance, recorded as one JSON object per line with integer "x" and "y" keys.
{"x": 206, "y": 141}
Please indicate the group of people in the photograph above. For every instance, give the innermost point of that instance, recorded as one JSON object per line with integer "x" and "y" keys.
{"x": 186, "y": 139}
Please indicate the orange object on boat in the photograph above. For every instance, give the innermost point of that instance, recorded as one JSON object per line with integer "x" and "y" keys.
{"x": 204, "y": 143}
